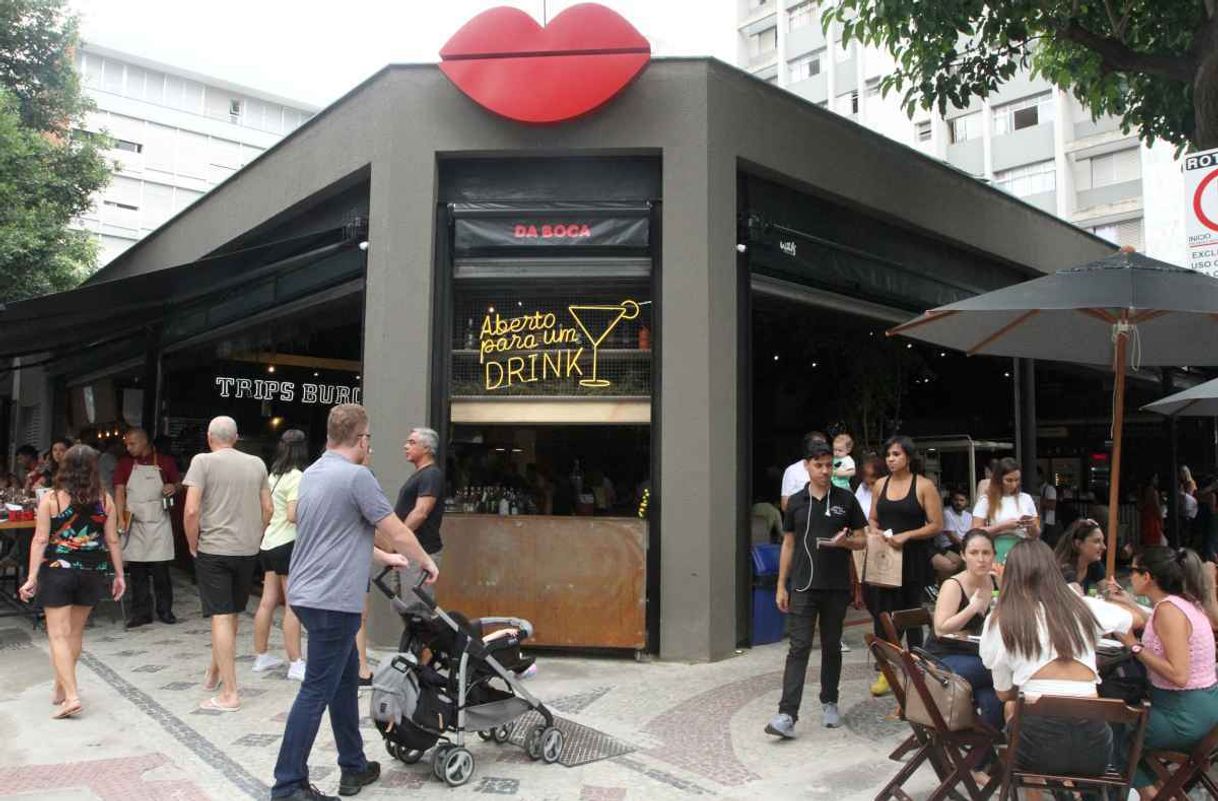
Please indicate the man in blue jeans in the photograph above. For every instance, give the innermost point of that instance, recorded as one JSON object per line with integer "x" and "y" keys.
{"x": 341, "y": 513}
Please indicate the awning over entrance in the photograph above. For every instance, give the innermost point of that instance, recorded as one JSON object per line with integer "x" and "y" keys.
{"x": 97, "y": 313}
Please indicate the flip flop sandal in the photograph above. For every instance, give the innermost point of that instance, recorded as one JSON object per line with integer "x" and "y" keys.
{"x": 215, "y": 706}
{"x": 67, "y": 710}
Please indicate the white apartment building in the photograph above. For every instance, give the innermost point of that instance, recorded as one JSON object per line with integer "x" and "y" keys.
{"x": 175, "y": 135}
{"x": 1030, "y": 139}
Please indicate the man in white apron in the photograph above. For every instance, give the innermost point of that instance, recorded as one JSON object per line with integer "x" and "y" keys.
{"x": 144, "y": 486}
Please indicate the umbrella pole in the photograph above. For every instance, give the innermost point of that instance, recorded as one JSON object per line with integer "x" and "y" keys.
{"x": 1118, "y": 426}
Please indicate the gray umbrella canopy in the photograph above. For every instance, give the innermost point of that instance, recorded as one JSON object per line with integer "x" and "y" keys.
{"x": 1069, "y": 315}
{"x": 1125, "y": 309}
{"x": 1200, "y": 401}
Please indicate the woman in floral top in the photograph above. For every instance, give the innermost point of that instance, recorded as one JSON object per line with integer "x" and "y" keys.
{"x": 75, "y": 544}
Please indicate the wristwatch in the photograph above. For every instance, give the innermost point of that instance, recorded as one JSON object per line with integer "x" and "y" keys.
{"x": 1136, "y": 648}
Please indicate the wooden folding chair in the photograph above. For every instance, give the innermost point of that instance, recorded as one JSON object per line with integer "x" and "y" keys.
{"x": 895, "y": 624}
{"x": 955, "y": 754}
{"x": 888, "y": 657}
{"x": 1180, "y": 773}
{"x": 1108, "y": 710}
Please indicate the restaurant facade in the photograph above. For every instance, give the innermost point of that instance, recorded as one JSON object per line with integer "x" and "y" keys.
{"x": 569, "y": 305}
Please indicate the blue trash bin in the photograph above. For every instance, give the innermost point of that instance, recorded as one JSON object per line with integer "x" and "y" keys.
{"x": 768, "y": 623}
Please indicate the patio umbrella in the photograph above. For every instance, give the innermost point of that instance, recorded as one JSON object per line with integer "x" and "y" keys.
{"x": 1200, "y": 401}
{"x": 1125, "y": 310}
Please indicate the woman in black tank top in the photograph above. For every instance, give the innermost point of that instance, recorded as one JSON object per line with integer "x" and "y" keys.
{"x": 915, "y": 517}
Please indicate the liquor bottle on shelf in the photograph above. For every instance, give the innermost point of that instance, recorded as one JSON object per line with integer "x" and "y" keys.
{"x": 505, "y": 505}
{"x": 470, "y": 340}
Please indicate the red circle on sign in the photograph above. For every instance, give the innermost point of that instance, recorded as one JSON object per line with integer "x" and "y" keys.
{"x": 1197, "y": 208}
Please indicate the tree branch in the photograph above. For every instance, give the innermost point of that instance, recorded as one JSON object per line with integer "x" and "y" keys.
{"x": 1119, "y": 57}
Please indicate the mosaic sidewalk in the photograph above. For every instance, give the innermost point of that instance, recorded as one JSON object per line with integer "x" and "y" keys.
{"x": 643, "y": 730}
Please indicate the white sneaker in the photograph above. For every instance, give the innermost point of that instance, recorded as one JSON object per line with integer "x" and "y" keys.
{"x": 296, "y": 670}
{"x": 265, "y": 662}
{"x": 845, "y": 648}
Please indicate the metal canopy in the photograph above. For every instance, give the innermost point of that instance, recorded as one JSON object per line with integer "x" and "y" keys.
{"x": 108, "y": 310}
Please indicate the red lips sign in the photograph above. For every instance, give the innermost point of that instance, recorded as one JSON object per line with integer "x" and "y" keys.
{"x": 509, "y": 64}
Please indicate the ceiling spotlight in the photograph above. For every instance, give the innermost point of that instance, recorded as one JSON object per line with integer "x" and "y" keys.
{"x": 270, "y": 368}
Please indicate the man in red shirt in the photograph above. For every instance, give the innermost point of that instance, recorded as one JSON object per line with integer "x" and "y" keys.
{"x": 145, "y": 483}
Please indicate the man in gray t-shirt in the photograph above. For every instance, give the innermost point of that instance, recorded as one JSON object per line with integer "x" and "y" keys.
{"x": 228, "y": 504}
{"x": 340, "y": 513}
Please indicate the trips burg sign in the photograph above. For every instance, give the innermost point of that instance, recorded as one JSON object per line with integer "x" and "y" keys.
{"x": 1201, "y": 211}
{"x": 505, "y": 62}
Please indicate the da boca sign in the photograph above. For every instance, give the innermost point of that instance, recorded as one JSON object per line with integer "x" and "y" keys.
{"x": 540, "y": 347}
{"x": 507, "y": 63}
{"x": 498, "y": 233}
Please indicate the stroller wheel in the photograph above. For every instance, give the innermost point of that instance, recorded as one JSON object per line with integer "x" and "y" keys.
{"x": 437, "y": 759}
{"x": 409, "y": 756}
{"x": 392, "y": 748}
{"x": 458, "y": 767}
{"x": 551, "y": 745}
{"x": 485, "y": 735}
{"x": 532, "y": 741}
{"x": 501, "y": 734}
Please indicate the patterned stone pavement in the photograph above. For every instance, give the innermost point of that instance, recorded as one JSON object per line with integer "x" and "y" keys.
{"x": 695, "y": 730}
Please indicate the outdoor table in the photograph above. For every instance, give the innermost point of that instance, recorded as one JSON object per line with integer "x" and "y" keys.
{"x": 21, "y": 532}
{"x": 1108, "y": 653}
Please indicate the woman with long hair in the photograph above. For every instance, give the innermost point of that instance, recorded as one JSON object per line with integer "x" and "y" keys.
{"x": 1040, "y": 640}
{"x": 908, "y": 513}
{"x": 1177, "y": 649}
{"x": 75, "y": 543}
{"x": 1080, "y": 555}
{"x": 1004, "y": 509}
{"x": 291, "y": 458}
{"x": 962, "y": 607}
{"x": 51, "y": 462}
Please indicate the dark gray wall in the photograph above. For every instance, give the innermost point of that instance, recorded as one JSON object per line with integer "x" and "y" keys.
{"x": 705, "y": 119}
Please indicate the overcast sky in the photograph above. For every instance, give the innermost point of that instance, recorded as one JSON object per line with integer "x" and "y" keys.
{"x": 315, "y": 50}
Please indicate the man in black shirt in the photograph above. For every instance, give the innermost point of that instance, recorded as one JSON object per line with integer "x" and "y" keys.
{"x": 823, "y": 523}
{"x": 420, "y": 505}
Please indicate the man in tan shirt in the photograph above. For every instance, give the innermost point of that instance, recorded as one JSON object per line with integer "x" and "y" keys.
{"x": 228, "y": 506}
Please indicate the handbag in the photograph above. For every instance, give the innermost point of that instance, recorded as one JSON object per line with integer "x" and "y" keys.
{"x": 950, "y": 693}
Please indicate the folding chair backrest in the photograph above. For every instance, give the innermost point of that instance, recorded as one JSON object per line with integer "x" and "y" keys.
{"x": 897, "y": 622}
{"x": 888, "y": 657}
{"x": 1107, "y": 710}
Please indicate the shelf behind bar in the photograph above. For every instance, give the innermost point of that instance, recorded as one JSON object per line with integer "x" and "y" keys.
{"x": 548, "y": 409}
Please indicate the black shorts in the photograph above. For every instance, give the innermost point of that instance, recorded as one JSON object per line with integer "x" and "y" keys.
{"x": 276, "y": 560}
{"x": 224, "y": 582}
{"x": 66, "y": 586}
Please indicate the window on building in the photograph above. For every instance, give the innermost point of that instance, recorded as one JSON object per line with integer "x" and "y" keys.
{"x": 234, "y": 109}
{"x": 130, "y": 147}
{"x": 1026, "y": 113}
{"x": 763, "y": 43}
{"x": 802, "y": 15}
{"x": 873, "y": 87}
{"x": 804, "y": 66}
{"x": 965, "y": 128}
{"x": 1030, "y": 179}
{"x": 1115, "y": 168}
{"x": 755, "y": 4}
{"x": 854, "y": 102}
{"x": 1126, "y": 232}
{"x": 922, "y": 131}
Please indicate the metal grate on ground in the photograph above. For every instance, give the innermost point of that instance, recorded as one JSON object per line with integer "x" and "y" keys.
{"x": 581, "y": 744}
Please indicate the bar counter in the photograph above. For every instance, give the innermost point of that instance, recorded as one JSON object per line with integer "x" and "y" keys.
{"x": 579, "y": 580}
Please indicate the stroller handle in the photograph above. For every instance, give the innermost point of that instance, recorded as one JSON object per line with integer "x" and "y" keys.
{"x": 379, "y": 581}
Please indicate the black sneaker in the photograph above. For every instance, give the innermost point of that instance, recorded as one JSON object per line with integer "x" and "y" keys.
{"x": 305, "y": 792}
{"x": 136, "y": 622}
{"x": 352, "y": 783}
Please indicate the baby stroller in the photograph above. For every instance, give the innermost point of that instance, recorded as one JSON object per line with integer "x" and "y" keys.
{"x": 450, "y": 676}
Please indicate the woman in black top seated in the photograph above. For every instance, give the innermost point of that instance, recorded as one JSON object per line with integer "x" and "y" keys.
{"x": 1080, "y": 555}
{"x": 964, "y": 601}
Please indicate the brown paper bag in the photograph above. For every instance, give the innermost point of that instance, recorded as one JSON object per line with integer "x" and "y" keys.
{"x": 884, "y": 563}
